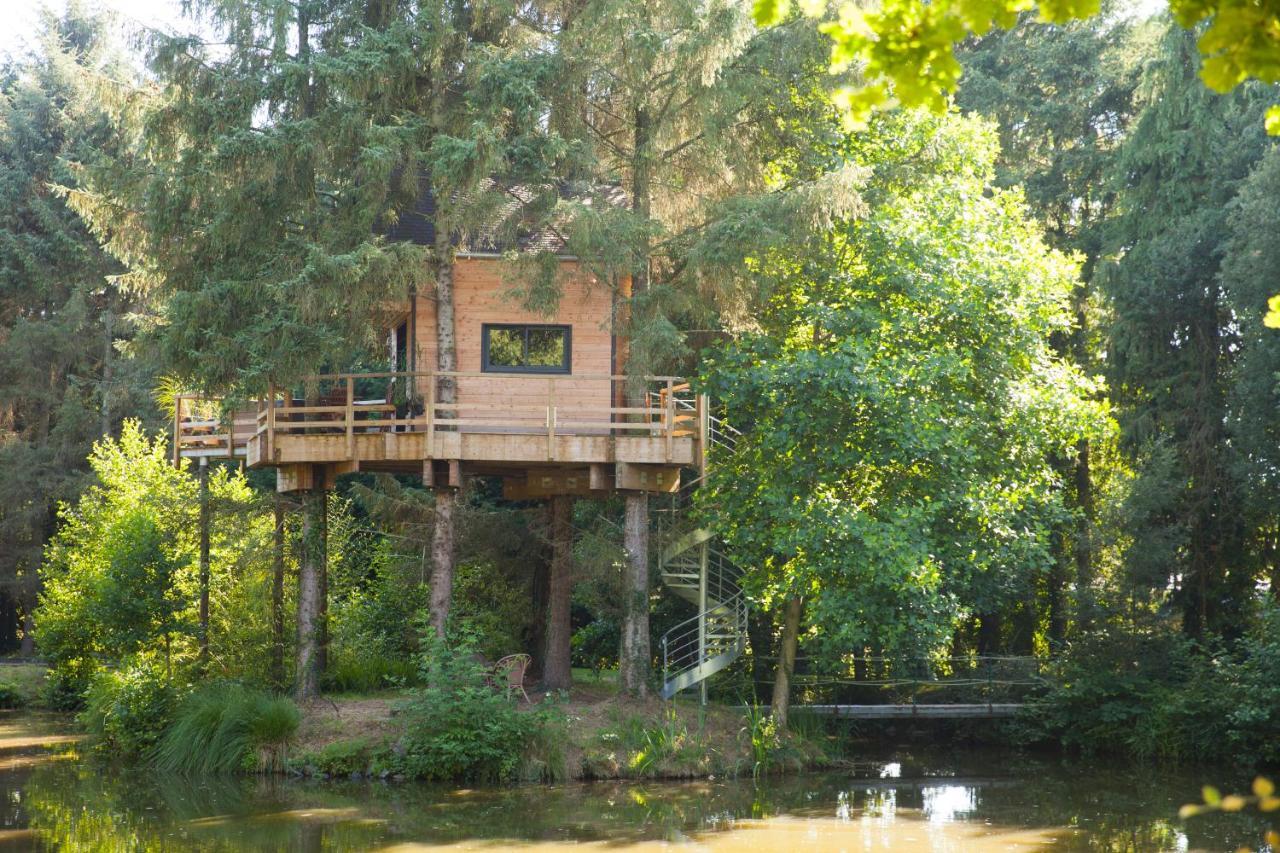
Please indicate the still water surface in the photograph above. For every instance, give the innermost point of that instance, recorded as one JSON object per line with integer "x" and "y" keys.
{"x": 926, "y": 799}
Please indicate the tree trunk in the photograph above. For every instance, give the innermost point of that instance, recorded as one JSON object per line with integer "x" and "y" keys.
{"x": 277, "y": 596}
{"x": 556, "y": 674}
{"x": 27, "y": 648}
{"x": 108, "y": 360}
{"x": 307, "y": 683}
{"x": 633, "y": 662}
{"x": 444, "y": 535}
{"x": 1084, "y": 538}
{"x": 204, "y": 563}
{"x": 786, "y": 660}
{"x": 442, "y": 559}
{"x": 322, "y": 627}
{"x": 989, "y": 634}
{"x": 1056, "y": 583}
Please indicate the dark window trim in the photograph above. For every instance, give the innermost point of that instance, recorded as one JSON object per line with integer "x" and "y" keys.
{"x": 562, "y": 368}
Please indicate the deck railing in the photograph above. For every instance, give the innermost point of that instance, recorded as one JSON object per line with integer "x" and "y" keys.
{"x": 200, "y": 430}
{"x": 351, "y": 404}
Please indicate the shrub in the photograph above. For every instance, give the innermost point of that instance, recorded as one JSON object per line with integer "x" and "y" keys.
{"x": 345, "y": 758}
{"x": 458, "y": 727}
{"x": 10, "y": 695}
{"x": 65, "y": 686}
{"x": 595, "y": 645}
{"x": 127, "y": 709}
{"x": 359, "y": 671}
{"x": 227, "y": 727}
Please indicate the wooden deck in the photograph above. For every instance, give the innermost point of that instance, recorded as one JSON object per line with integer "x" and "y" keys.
{"x": 546, "y": 434}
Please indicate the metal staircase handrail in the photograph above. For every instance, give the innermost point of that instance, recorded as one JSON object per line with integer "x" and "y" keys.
{"x": 710, "y": 640}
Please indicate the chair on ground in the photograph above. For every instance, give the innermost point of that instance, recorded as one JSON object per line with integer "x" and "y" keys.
{"x": 510, "y": 671}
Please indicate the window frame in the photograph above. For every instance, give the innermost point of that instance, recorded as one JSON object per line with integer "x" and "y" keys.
{"x": 563, "y": 369}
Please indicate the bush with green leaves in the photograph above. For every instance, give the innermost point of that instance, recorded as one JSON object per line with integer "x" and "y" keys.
{"x": 120, "y": 574}
{"x": 10, "y": 695}
{"x": 1159, "y": 695}
{"x": 127, "y": 709}
{"x": 460, "y": 727}
{"x": 223, "y": 728}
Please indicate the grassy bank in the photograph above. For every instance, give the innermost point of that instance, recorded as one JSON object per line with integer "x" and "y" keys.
{"x": 592, "y": 733}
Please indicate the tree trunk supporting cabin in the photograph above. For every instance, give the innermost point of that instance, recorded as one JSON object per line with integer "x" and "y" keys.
{"x": 277, "y": 596}
{"x": 557, "y": 673}
{"x": 204, "y": 562}
{"x": 442, "y": 558}
{"x": 444, "y": 535}
{"x": 634, "y": 656}
{"x": 786, "y": 659}
{"x": 307, "y": 683}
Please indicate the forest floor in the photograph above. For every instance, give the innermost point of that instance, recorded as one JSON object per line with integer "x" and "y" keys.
{"x": 606, "y": 736}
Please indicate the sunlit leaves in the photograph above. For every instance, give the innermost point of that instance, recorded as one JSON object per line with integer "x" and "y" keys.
{"x": 1213, "y": 801}
{"x": 905, "y": 47}
{"x": 901, "y": 399}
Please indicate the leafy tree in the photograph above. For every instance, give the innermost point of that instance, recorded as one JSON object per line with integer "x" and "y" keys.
{"x": 120, "y": 574}
{"x": 902, "y": 402}
{"x": 62, "y": 381}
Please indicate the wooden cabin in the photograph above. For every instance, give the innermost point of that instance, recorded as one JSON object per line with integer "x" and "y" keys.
{"x": 542, "y": 400}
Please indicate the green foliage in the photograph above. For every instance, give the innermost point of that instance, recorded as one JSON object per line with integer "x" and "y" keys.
{"x": 765, "y": 737}
{"x": 62, "y": 318}
{"x": 1159, "y": 695}
{"x": 904, "y": 397}
{"x": 223, "y": 728}
{"x": 905, "y": 48}
{"x": 11, "y": 695}
{"x": 344, "y": 758}
{"x": 120, "y": 574}
{"x": 459, "y": 727}
{"x": 594, "y": 646}
{"x": 128, "y": 709}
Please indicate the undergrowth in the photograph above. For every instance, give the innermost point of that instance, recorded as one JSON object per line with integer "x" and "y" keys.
{"x": 226, "y": 727}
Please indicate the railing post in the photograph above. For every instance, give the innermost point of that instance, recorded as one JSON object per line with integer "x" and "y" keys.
{"x": 431, "y": 415}
{"x": 177, "y": 428}
{"x": 704, "y": 431}
{"x": 670, "y": 415}
{"x": 271, "y": 422}
{"x": 350, "y": 417}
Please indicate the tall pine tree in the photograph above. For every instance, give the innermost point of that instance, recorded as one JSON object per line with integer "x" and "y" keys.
{"x": 63, "y": 382}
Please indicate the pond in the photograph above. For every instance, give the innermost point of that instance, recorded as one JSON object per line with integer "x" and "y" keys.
{"x": 927, "y": 799}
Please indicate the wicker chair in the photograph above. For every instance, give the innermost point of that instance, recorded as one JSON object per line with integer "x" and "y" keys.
{"x": 509, "y": 672}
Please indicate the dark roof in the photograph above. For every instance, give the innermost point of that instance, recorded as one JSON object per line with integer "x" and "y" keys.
{"x": 517, "y": 223}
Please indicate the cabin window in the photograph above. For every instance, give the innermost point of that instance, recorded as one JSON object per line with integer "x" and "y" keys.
{"x": 526, "y": 349}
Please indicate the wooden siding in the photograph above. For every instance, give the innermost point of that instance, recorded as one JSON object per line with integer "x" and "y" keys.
{"x": 483, "y": 294}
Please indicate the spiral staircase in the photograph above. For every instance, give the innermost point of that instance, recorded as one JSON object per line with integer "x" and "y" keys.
{"x": 694, "y": 567}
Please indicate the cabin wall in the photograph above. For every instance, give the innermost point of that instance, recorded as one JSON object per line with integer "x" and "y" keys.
{"x": 482, "y": 294}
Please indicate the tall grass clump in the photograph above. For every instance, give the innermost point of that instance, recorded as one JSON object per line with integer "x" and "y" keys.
{"x": 226, "y": 727}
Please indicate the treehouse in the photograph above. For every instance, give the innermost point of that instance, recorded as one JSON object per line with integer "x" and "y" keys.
{"x": 541, "y": 400}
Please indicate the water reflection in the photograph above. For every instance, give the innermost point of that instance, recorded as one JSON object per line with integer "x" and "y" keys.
{"x": 931, "y": 802}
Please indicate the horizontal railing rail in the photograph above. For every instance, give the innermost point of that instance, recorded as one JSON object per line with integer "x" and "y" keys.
{"x": 353, "y": 404}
